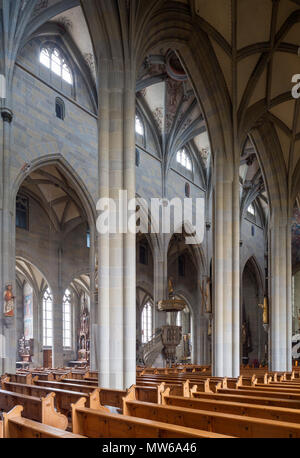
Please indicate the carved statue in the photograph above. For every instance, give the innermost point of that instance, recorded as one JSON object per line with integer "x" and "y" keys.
{"x": 8, "y": 301}
{"x": 209, "y": 329}
{"x": 205, "y": 292}
{"x": 265, "y": 308}
{"x": 170, "y": 286}
{"x": 246, "y": 339}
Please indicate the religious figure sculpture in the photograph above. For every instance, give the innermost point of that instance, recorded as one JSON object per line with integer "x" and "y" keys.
{"x": 265, "y": 308}
{"x": 246, "y": 340}
{"x": 205, "y": 292}
{"x": 170, "y": 286}
{"x": 8, "y": 301}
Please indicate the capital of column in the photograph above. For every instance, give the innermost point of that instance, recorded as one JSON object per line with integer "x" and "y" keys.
{"x": 6, "y": 115}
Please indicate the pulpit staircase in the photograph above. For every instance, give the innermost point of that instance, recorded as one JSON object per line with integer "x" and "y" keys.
{"x": 151, "y": 349}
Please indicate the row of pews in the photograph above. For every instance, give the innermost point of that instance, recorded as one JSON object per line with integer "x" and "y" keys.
{"x": 180, "y": 402}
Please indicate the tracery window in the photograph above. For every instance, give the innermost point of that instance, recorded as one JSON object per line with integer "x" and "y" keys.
{"x": 183, "y": 159}
{"x": 147, "y": 322}
{"x": 47, "y": 318}
{"x": 67, "y": 319}
{"x": 139, "y": 128}
{"x": 251, "y": 210}
{"x": 53, "y": 59}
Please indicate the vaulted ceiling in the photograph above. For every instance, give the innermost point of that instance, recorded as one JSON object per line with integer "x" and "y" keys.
{"x": 168, "y": 103}
{"x": 256, "y": 45}
{"x": 52, "y": 191}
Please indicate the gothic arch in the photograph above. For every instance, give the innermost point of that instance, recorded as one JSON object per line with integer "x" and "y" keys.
{"x": 255, "y": 268}
{"x": 57, "y": 159}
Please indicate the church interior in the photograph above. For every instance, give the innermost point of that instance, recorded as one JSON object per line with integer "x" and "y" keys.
{"x": 150, "y": 333}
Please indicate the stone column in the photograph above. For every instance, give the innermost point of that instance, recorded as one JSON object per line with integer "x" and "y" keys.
{"x": 226, "y": 323}
{"x": 280, "y": 306}
{"x": 117, "y": 305}
{"x": 296, "y": 310}
{"x": 57, "y": 345}
{"x": 93, "y": 305}
{"x": 7, "y": 230}
{"x": 160, "y": 286}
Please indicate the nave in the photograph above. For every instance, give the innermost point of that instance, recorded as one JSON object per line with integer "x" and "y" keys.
{"x": 184, "y": 401}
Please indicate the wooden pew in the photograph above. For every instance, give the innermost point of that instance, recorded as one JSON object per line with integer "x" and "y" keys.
{"x": 63, "y": 398}
{"x": 262, "y": 393}
{"x": 79, "y": 381}
{"x": 271, "y": 389}
{"x": 228, "y": 424}
{"x": 66, "y": 386}
{"x": 43, "y": 375}
{"x": 35, "y": 408}
{"x": 240, "y": 397}
{"x": 15, "y": 426}
{"x": 109, "y": 397}
{"x": 20, "y": 378}
{"x": 236, "y": 408}
{"x": 95, "y": 424}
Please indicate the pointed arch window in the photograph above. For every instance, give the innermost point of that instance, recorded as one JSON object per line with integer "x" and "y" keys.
{"x": 147, "y": 322}
{"x": 139, "y": 128}
{"x": 53, "y": 59}
{"x": 183, "y": 158}
{"x": 47, "y": 318}
{"x": 251, "y": 209}
{"x": 67, "y": 319}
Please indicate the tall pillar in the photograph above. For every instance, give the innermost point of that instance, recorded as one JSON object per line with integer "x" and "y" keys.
{"x": 226, "y": 320}
{"x": 93, "y": 306}
{"x": 116, "y": 251}
{"x": 7, "y": 231}
{"x": 280, "y": 307}
{"x": 57, "y": 332}
{"x": 160, "y": 286}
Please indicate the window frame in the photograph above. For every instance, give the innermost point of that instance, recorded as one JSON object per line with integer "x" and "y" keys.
{"x": 26, "y": 211}
{"x": 146, "y": 322}
{"x": 59, "y": 101}
{"x": 184, "y": 160}
{"x": 46, "y": 301}
{"x": 138, "y": 120}
{"x": 67, "y": 300}
{"x": 64, "y": 63}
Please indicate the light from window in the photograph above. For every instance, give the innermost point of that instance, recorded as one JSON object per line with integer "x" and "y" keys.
{"x": 184, "y": 159}
{"x": 139, "y": 128}
{"x": 47, "y": 318}
{"x": 179, "y": 319}
{"x": 88, "y": 239}
{"x": 67, "y": 332}
{"x": 147, "y": 322}
{"x": 251, "y": 210}
{"x": 53, "y": 60}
